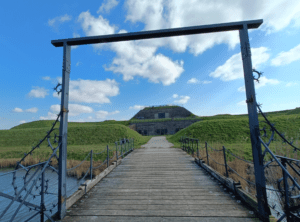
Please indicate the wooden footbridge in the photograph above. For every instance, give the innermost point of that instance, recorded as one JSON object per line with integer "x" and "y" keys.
{"x": 158, "y": 184}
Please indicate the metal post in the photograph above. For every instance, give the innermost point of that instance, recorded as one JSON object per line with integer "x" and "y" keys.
{"x": 63, "y": 132}
{"x": 132, "y": 143}
{"x": 197, "y": 149}
{"x": 121, "y": 148}
{"x": 188, "y": 147}
{"x": 193, "y": 146}
{"x": 263, "y": 209}
{"x": 181, "y": 143}
{"x": 225, "y": 162}
{"x": 286, "y": 191}
{"x": 124, "y": 145}
{"x": 91, "y": 165}
{"x": 116, "y": 149}
{"x": 206, "y": 153}
{"x": 107, "y": 158}
{"x": 42, "y": 196}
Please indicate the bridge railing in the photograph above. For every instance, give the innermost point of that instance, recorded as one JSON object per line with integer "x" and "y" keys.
{"x": 33, "y": 192}
{"x": 288, "y": 188}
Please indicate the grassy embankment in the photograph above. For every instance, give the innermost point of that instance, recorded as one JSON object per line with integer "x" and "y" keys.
{"x": 231, "y": 131}
{"x": 82, "y": 138}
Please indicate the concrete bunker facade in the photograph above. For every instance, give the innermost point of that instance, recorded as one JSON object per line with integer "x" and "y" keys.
{"x": 165, "y": 120}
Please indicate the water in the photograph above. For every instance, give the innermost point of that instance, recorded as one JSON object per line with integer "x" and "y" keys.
{"x": 24, "y": 213}
{"x": 274, "y": 199}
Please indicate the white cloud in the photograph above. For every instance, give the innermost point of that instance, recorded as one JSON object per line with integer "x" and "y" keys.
{"x": 107, "y": 5}
{"x": 242, "y": 103}
{"x": 74, "y": 110}
{"x": 88, "y": 119}
{"x": 288, "y": 57}
{"x": 50, "y": 116}
{"x": 241, "y": 89}
{"x": 192, "y": 80}
{"x": 95, "y": 26}
{"x": 233, "y": 68}
{"x": 160, "y": 14}
{"x": 195, "y": 81}
{"x": 31, "y": 110}
{"x": 289, "y": 84}
{"x": 47, "y": 78}
{"x": 103, "y": 114}
{"x": 22, "y": 121}
{"x": 133, "y": 61}
{"x": 182, "y": 100}
{"x": 91, "y": 91}
{"x": 263, "y": 81}
{"x": 175, "y": 95}
{"x": 78, "y": 63}
{"x": 17, "y": 110}
{"x": 59, "y": 20}
{"x": 38, "y": 92}
{"x": 137, "y": 107}
{"x": 133, "y": 58}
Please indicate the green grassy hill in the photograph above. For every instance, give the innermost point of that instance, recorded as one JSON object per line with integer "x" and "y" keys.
{"x": 230, "y": 130}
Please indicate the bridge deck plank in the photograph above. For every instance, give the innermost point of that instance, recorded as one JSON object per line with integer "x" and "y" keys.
{"x": 158, "y": 184}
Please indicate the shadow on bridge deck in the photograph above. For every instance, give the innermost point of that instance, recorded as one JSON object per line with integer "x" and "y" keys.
{"x": 158, "y": 183}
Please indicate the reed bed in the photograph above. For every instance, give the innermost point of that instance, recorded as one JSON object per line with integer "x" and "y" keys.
{"x": 78, "y": 172}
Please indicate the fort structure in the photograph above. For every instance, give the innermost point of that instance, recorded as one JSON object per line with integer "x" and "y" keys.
{"x": 162, "y": 120}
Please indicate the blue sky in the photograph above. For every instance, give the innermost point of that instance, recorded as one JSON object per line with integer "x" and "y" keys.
{"x": 203, "y": 73}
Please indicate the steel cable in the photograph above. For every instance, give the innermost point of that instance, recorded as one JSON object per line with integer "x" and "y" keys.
{"x": 238, "y": 157}
{"x": 214, "y": 149}
{"x": 113, "y": 157}
{"x": 79, "y": 182}
{"x": 100, "y": 152}
{"x": 241, "y": 176}
{"x": 215, "y": 161}
{"x": 79, "y": 163}
{"x": 100, "y": 165}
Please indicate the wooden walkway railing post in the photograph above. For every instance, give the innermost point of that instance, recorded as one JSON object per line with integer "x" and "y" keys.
{"x": 107, "y": 158}
{"x": 206, "y": 153}
{"x": 225, "y": 162}
{"x": 91, "y": 165}
{"x": 116, "y": 149}
{"x": 197, "y": 149}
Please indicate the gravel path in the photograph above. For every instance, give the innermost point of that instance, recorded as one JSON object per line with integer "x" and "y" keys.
{"x": 158, "y": 141}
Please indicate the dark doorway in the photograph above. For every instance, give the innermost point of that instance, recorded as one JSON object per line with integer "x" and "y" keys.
{"x": 161, "y": 115}
{"x": 163, "y": 131}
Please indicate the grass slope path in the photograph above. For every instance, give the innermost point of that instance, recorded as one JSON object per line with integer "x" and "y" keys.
{"x": 158, "y": 183}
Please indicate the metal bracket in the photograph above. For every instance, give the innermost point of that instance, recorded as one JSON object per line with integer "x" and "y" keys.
{"x": 64, "y": 110}
{"x": 246, "y": 51}
{"x": 251, "y": 100}
{"x": 84, "y": 186}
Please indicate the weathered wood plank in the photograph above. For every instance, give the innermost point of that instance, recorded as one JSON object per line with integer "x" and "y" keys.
{"x": 158, "y": 184}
